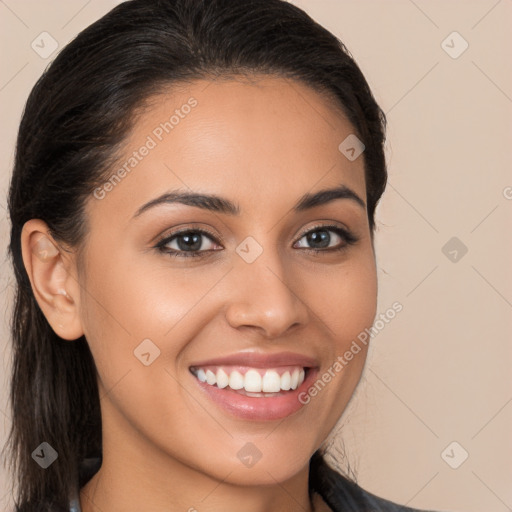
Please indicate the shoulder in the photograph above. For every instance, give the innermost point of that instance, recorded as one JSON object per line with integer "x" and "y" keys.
{"x": 348, "y": 495}
{"x": 344, "y": 495}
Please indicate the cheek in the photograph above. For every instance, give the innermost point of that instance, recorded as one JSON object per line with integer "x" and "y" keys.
{"x": 345, "y": 303}
{"x": 131, "y": 309}
{"x": 127, "y": 303}
{"x": 136, "y": 325}
{"x": 344, "y": 299}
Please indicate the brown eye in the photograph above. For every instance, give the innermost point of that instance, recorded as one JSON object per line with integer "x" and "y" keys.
{"x": 187, "y": 243}
{"x": 327, "y": 238}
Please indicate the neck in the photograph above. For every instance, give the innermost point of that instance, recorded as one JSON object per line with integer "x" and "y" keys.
{"x": 136, "y": 475}
{"x": 123, "y": 489}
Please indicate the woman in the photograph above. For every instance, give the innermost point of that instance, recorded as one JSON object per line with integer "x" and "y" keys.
{"x": 192, "y": 212}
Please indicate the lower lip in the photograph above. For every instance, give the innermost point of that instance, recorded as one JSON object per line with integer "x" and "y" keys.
{"x": 258, "y": 408}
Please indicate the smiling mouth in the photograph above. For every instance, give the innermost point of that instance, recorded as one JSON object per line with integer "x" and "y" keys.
{"x": 252, "y": 382}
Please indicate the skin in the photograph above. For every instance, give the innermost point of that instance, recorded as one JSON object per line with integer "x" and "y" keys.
{"x": 262, "y": 144}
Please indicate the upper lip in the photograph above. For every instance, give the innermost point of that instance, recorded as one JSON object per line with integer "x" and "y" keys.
{"x": 260, "y": 360}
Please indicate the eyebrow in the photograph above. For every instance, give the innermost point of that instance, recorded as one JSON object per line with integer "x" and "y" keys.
{"x": 219, "y": 204}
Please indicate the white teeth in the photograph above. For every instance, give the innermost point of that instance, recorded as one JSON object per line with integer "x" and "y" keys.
{"x": 253, "y": 382}
{"x": 222, "y": 378}
{"x": 271, "y": 382}
{"x": 210, "y": 377}
{"x": 294, "y": 382}
{"x": 236, "y": 380}
{"x": 286, "y": 381}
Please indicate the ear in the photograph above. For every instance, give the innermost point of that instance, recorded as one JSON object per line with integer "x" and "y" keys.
{"x": 52, "y": 273}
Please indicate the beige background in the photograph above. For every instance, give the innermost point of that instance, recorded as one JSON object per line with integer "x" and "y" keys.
{"x": 440, "y": 371}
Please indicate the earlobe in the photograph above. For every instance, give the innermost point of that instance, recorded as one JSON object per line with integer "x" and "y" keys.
{"x": 50, "y": 270}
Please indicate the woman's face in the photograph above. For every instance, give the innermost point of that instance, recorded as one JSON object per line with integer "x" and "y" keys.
{"x": 251, "y": 305}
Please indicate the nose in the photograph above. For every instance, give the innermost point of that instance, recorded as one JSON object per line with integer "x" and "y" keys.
{"x": 267, "y": 298}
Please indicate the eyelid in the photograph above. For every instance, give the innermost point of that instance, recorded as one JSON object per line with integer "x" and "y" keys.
{"x": 161, "y": 240}
{"x": 327, "y": 224}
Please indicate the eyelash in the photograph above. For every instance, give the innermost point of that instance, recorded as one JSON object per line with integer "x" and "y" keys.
{"x": 348, "y": 238}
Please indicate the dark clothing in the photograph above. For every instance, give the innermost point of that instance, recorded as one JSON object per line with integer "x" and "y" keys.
{"x": 344, "y": 495}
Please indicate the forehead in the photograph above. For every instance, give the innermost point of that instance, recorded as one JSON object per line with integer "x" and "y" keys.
{"x": 255, "y": 141}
